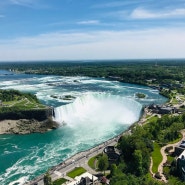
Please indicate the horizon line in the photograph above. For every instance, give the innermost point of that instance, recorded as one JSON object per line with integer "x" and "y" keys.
{"x": 91, "y": 60}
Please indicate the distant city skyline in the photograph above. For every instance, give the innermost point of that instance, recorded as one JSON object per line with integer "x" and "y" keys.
{"x": 91, "y": 29}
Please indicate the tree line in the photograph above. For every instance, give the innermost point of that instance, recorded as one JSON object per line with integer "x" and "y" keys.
{"x": 14, "y": 95}
{"x": 136, "y": 148}
{"x": 152, "y": 72}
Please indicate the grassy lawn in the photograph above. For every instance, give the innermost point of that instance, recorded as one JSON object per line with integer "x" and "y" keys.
{"x": 149, "y": 177}
{"x": 174, "y": 101}
{"x": 92, "y": 160}
{"x": 177, "y": 140}
{"x": 170, "y": 159}
{"x": 166, "y": 170}
{"x": 156, "y": 157}
{"x": 24, "y": 104}
{"x": 152, "y": 119}
{"x": 59, "y": 181}
{"x": 147, "y": 116}
{"x": 76, "y": 172}
{"x": 8, "y": 103}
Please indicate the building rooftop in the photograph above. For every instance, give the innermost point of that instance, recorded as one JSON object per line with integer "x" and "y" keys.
{"x": 182, "y": 155}
{"x": 182, "y": 144}
{"x": 84, "y": 175}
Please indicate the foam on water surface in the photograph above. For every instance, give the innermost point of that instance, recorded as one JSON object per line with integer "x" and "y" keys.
{"x": 100, "y": 110}
{"x": 95, "y": 109}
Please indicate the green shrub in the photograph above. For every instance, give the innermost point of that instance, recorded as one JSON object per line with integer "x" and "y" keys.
{"x": 59, "y": 181}
{"x": 76, "y": 172}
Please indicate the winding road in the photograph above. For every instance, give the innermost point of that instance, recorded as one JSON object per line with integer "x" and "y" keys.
{"x": 164, "y": 155}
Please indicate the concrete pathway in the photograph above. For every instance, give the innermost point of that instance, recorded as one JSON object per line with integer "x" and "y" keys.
{"x": 164, "y": 155}
{"x": 80, "y": 159}
{"x": 150, "y": 168}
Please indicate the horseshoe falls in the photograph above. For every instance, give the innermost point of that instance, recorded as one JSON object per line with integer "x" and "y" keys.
{"x": 98, "y": 110}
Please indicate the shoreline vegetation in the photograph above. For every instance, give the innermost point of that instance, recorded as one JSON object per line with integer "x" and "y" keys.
{"x": 69, "y": 164}
{"x": 21, "y": 113}
{"x": 79, "y": 157}
{"x": 169, "y": 80}
{"x": 140, "y": 95}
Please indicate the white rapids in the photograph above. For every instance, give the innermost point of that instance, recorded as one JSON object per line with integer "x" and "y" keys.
{"x": 96, "y": 109}
{"x": 102, "y": 110}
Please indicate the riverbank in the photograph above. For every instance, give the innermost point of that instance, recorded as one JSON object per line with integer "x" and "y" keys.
{"x": 25, "y": 126}
{"x": 81, "y": 159}
{"x": 56, "y": 139}
{"x": 78, "y": 160}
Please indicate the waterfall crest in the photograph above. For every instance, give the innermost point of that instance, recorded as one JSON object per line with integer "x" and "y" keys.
{"x": 98, "y": 108}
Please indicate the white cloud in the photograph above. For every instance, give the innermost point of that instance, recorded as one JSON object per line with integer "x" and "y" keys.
{"x": 53, "y": 39}
{"x": 110, "y": 4}
{"x": 140, "y": 13}
{"x": 27, "y": 3}
{"x": 89, "y": 22}
{"x": 157, "y": 43}
{"x": 114, "y": 4}
{"x": 22, "y": 2}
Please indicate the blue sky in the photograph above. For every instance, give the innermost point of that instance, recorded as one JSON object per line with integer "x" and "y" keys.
{"x": 91, "y": 29}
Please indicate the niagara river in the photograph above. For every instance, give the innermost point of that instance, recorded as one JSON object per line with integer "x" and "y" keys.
{"x": 90, "y": 111}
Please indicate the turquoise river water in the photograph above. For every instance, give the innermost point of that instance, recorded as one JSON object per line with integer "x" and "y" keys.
{"x": 98, "y": 110}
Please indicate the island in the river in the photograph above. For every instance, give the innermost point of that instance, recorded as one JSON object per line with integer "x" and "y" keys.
{"x": 141, "y": 146}
{"x": 140, "y": 95}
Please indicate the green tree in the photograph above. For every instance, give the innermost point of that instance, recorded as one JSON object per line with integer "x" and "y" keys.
{"x": 138, "y": 161}
{"x": 47, "y": 179}
{"x": 103, "y": 163}
{"x": 113, "y": 170}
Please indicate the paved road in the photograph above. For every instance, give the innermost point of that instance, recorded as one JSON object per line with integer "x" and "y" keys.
{"x": 150, "y": 168}
{"x": 160, "y": 167}
{"x": 80, "y": 159}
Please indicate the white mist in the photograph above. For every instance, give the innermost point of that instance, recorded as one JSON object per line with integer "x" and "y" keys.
{"x": 98, "y": 109}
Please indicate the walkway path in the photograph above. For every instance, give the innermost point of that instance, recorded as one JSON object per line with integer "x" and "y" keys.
{"x": 80, "y": 159}
{"x": 164, "y": 155}
{"x": 150, "y": 168}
